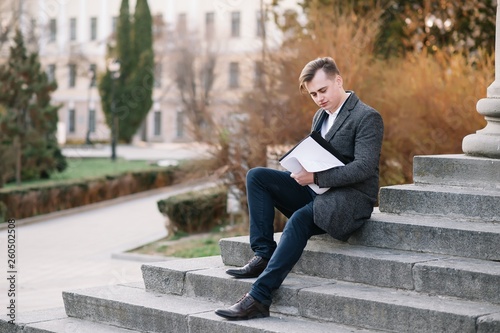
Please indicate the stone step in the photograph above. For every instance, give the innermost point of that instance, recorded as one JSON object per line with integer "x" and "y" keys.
{"x": 344, "y": 302}
{"x": 452, "y": 276}
{"x": 136, "y": 309}
{"x": 457, "y": 170}
{"x": 438, "y": 200}
{"x": 210, "y": 322}
{"x": 432, "y": 235}
{"x": 437, "y": 274}
{"x": 56, "y": 321}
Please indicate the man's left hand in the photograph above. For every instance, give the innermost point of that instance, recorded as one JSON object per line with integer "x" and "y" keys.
{"x": 303, "y": 178}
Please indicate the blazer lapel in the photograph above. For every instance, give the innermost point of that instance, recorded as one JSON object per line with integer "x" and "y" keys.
{"x": 319, "y": 122}
{"x": 344, "y": 113}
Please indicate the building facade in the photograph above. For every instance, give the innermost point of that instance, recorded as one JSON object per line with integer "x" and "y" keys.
{"x": 72, "y": 36}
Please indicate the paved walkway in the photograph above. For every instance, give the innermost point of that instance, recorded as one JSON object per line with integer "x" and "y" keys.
{"x": 148, "y": 152}
{"x": 78, "y": 250}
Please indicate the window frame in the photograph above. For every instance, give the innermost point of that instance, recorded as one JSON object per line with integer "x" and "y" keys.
{"x": 210, "y": 25}
{"x": 93, "y": 28}
{"x": 235, "y": 24}
{"x": 234, "y": 75}
{"x": 52, "y": 30}
{"x": 72, "y": 120}
{"x": 71, "y": 75}
{"x": 157, "y": 116}
{"x": 72, "y": 29}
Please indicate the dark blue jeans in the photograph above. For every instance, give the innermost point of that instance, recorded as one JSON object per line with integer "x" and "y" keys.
{"x": 267, "y": 189}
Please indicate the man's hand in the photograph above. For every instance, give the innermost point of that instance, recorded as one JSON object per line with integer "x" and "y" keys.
{"x": 303, "y": 178}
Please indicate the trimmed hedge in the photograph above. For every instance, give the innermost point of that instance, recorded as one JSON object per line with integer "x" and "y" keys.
{"x": 195, "y": 212}
{"x": 28, "y": 202}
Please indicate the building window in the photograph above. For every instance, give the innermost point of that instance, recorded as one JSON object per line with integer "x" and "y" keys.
{"x": 235, "y": 24}
{"x": 210, "y": 25}
{"x": 158, "y": 25}
{"x": 72, "y": 120}
{"x": 51, "y": 72}
{"x": 234, "y": 75}
{"x": 52, "y": 30}
{"x": 158, "y": 72}
{"x": 114, "y": 22}
{"x": 72, "y": 29}
{"x": 92, "y": 75}
{"x": 207, "y": 75}
{"x": 72, "y": 75}
{"x": 182, "y": 24}
{"x": 157, "y": 123}
{"x": 33, "y": 26}
{"x": 261, "y": 29}
{"x": 258, "y": 74}
{"x": 91, "y": 121}
{"x": 180, "y": 124}
{"x": 93, "y": 28}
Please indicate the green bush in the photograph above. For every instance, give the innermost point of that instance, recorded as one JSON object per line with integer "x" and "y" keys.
{"x": 194, "y": 212}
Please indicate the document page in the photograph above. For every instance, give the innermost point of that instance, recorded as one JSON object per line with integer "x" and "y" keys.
{"x": 311, "y": 156}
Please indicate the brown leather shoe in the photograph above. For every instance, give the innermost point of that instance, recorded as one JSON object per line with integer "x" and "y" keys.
{"x": 255, "y": 266}
{"x": 246, "y": 308}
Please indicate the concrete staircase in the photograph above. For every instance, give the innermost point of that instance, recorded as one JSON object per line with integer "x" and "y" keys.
{"x": 427, "y": 261}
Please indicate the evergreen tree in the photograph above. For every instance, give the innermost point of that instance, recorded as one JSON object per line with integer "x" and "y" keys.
{"x": 7, "y": 153}
{"x": 28, "y": 123}
{"x": 142, "y": 76}
{"x": 130, "y": 90}
{"x": 123, "y": 41}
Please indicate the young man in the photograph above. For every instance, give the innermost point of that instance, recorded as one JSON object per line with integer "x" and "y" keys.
{"x": 356, "y": 131}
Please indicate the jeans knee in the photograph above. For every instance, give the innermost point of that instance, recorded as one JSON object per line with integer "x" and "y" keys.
{"x": 302, "y": 220}
{"x": 254, "y": 174}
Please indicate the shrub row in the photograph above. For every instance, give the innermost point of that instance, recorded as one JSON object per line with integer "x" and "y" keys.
{"x": 194, "y": 212}
{"x": 28, "y": 202}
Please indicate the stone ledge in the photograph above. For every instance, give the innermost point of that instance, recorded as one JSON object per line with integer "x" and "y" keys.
{"x": 436, "y": 200}
{"x": 310, "y": 299}
{"x": 457, "y": 170}
{"x": 431, "y": 234}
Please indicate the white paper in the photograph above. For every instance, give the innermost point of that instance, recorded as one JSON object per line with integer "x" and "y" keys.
{"x": 312, "y": 157}
{"x": 294, "y": 166}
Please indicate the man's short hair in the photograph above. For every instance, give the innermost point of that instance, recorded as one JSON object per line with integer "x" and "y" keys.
{"x": 307, "y": 74}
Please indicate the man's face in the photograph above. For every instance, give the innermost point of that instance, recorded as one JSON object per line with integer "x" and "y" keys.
{"x": 326, "y": 92}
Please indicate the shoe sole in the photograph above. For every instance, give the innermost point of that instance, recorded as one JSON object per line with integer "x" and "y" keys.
{"x": 252, "y": 316}
{"x": 242, "y": 276}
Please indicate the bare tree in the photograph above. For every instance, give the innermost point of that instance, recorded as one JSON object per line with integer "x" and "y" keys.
{"x": 9, "y": 20}
{"x": 14, "y": 15}
{"x": 194, "y": 79}
{"x": 194, "y": 76}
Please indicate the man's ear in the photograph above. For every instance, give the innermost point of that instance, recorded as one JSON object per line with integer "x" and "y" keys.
{"x": 339, "y": 81}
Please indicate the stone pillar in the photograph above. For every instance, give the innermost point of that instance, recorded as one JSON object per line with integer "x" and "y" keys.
{"x": 486, "y": 142}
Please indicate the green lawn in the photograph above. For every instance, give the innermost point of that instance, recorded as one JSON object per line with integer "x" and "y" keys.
{"x": 87, "y": 168}
{"x": 191, "y": 246}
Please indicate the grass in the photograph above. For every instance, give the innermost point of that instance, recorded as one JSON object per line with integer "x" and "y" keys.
{"x": 87, "y": 168}
{"x": 194, "y": 246}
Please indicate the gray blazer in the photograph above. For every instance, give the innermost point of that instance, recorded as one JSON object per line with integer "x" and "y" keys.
{"x": 357, "y": 134}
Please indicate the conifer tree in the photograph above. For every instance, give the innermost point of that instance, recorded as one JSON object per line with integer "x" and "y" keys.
{"x": 142, "y": 76}
{"x": 28, "y": 123}
{"x": 131, "y": 89}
